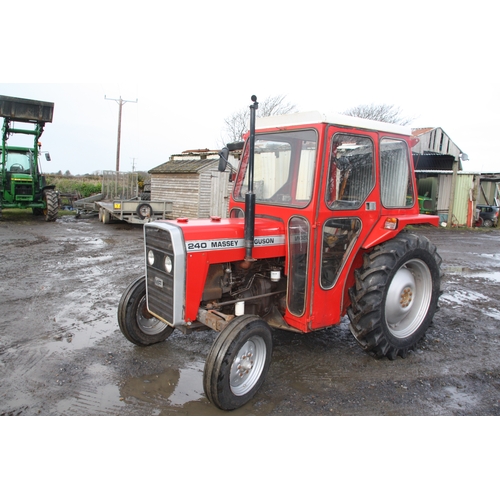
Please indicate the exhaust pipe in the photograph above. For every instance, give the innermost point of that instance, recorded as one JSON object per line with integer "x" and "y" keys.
{"x": 250, "y": 195}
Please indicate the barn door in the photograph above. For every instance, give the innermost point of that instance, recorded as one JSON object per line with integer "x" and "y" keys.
{"x": 219, "y": 196}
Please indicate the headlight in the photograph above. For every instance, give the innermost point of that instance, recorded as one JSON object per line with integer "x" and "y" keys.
{"x": 168, "y": 264}
{"x": 151, "y": 257}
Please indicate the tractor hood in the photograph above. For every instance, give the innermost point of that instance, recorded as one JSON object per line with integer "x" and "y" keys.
{"x": 21, "y": 177}
{"x": 223, "y": 235}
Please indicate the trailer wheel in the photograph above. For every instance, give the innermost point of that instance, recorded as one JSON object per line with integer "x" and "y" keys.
{"x": 395, "y": 295}
{"x": 51, "y": 204}
{"x": 135, "y": 321}
{"x": 144, "y": 211}
{"x": 238, "y": 362}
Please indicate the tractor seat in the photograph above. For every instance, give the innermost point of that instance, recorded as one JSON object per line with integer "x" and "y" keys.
{"x": 16, "y": 169}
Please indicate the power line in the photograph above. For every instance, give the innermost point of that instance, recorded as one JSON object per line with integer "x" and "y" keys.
{"x": 120, "y": 102}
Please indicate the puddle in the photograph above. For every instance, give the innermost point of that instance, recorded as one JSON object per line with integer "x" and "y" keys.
{"x": 92, "y": 259}
{"x": 172, "y": 387}
{"x": 81, "y": 335}
{"x": 494, "y": 256}
{"x": 190, "y": 385}
{"x": 463, "y": 297}
{"x": 104, "y": 400}
{"x": 489, "y": 275}
{"x": 459, "y": 398}
{"x": 492, "y": 313}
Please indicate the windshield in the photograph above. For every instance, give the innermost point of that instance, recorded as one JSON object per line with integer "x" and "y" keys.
{"x": 18, "y": 162}
{"x": 283, "y": 168}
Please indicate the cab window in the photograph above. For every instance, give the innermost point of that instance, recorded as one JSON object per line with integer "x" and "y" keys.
{"x": 351, "y": 171}
{"x": 283, "y": 168}
{"x": 396, "y": 182}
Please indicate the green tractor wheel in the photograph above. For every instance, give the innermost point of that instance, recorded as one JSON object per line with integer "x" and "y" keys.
{"x": 52, "y": 205}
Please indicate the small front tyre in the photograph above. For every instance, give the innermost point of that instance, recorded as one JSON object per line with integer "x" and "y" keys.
{"x": 135, "y": 321}
{"x": 238, "y": 362}
{"x": 395, "y": 295}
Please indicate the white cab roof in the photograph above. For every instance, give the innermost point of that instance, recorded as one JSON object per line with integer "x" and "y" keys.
{"x": 312, "y": 117}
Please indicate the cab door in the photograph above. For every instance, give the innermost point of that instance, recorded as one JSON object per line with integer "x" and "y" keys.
{"x": 348, "y": 209}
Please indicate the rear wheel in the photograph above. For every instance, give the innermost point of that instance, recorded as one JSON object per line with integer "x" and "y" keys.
{"x": 487, "y": 223}
{"x": 238, "y": 362}
{"x": 396, "y": 295}
{"x": 135, "y": 321}
{"x": 51, "y": 205}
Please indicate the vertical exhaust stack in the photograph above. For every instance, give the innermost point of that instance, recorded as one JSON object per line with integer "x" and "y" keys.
{"x": 250, "y": 195}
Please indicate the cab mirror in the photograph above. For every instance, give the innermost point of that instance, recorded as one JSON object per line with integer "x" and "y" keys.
{"x": 223, "y": 156}
{"x": 47, "y": 156}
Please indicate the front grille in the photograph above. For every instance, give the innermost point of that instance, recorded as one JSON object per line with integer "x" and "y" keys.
{"x": 23, "y": 189}
{"x": 164, "y": 290}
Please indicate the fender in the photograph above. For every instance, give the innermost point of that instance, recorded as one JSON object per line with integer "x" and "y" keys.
{"x": 381, "y": 232}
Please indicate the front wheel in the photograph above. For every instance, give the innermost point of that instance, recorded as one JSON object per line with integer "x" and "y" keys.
{"x": 395, "y": 295}
{"x": 135, "y": 321}
{"x": 238, "y": 362}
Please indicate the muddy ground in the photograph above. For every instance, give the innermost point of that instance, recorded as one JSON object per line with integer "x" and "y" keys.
{"x": 62, "y": 353}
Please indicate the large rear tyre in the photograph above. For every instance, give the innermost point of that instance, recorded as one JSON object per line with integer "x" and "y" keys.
{"x": 51, "y": 205}
{"x": 395, "y": 295}
{"x": 135, "y": 321}
{"x": 238, "y": 362}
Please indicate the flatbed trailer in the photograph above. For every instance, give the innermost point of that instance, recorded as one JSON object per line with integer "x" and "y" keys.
{"x": 87, "y": 206}
{"x": 134, "y": 211}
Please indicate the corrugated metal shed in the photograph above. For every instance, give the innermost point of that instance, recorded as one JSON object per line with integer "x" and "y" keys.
{"x": 462, "y": 207}
{"x": 435, "y": 150}
{"x": 464, "y": 198}
{"x": 435, "y": 140}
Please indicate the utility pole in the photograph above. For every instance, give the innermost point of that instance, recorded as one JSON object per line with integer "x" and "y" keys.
{"x": 120, "y": 102}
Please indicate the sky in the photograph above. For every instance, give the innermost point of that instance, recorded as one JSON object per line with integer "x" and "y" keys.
{"x": 190, "y": 66}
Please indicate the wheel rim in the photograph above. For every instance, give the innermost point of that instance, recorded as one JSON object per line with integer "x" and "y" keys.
{"x": 146, "y": 321}
{"x": 144, "y": 211}
{"x": 408, "y": 298}
{"x": 488, "y": 223}
{"x": 247, "y": 366}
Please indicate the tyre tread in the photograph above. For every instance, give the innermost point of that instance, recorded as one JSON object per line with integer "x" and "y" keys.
{"x": 367, "y": 294}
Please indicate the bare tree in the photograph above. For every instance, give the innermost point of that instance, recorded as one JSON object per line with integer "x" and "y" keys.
{"x": 388, "y": 113}
{"x": 236, "y": 124}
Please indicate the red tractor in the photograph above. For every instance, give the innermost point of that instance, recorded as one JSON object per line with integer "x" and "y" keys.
{"x": 317, "y": 230}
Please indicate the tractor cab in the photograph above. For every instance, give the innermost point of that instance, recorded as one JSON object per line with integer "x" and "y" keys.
{"x": 338, "y": 185}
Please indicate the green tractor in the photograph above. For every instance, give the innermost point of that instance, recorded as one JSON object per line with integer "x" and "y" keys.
{"x": 22, "y": 184}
